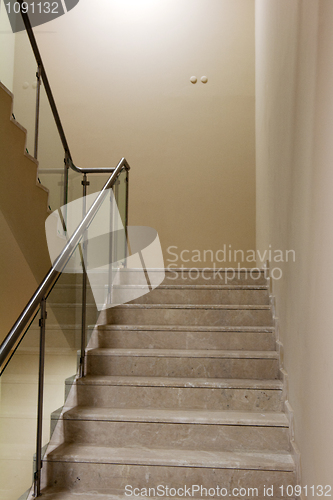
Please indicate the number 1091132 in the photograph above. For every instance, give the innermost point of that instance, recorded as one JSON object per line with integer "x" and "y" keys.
{"x": 33, "y": 7}
{"x": 311, "y": 491}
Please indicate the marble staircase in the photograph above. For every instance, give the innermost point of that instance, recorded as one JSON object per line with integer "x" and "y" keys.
{"x": 183, "y": 387}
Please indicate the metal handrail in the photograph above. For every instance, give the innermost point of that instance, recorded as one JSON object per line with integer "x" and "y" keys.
{"x": 9, "y": 345}
{"x": 92, "y": 170}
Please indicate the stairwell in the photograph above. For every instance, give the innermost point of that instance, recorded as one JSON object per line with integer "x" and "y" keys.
{"x": 183, "y": 389}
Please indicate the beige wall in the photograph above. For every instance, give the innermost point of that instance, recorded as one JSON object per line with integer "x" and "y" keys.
{"x": 120, "y": 71}
{"x": 294, "y": 124}
{"x": 14, "y": 270}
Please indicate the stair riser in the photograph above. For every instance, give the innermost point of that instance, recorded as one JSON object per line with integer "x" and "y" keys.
{"x": 192, "y": 277}
{"x": 56, "y": 338}
{"x": 246, "y": 341}
{"x": 108, "y": 478}
{"x": 183, "y": 367}
{"x": 70, "y": 279}
{"x": 63, "y": 315}
{"x": 185, "y": 317}
{"x": 177, "y": 436}
{"x": 185, "y": 296}
{"x": 179, "y": 398}
{"x": 70, "y": 294}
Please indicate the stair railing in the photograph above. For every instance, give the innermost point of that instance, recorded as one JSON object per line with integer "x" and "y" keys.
{"x": 39, "y": 301}
{"x": 52, "y": 275}
{"x": 41, "y": 77}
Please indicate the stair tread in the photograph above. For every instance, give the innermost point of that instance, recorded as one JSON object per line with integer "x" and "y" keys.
{"x": 69, "y": 305}
{"x": 211, "y": 383}
{"x": 62, "y": 326}
{"x": 169, "y": 287}
{"x": 51, "y": 494}
{"x": 246, "y": 307}
{"x": 212, "y": 417}
{"x": 71, "y": 452}
{"x": 181, "y": 328}
{"x": 187, "y": 269}
{"x": 196, "y": 287}
{"x": 184, "y": 353}
{"x": 56, "y": 494}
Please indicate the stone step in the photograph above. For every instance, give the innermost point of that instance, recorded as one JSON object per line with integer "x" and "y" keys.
{"x": 192, "y": 276}
{"x": 193, "y": 294}
{"x": 198, "y": 315}
{"x": 108, "y": 470}
{"x": 183, "y": 337}
{"x": 180, "y": 393}
{"x": 169, "y": 294}
{"x": 183, "y": 363}
{"x": 189, "y": 430}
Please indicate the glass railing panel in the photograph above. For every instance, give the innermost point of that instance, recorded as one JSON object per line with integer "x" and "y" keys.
{"x": 18, "y": 417}
{"x": 97, "y": 181}
{"x": 51, "y": 170}
{"x": 120, "y": 193}
{"x": 64, "y": 329}
{"x": 62, "y": 344}
{"x": 74, "y": 185}
{"x": 106, "y": 249}
{"x": 96, "y": 250}
{"x": 121, "y": 190}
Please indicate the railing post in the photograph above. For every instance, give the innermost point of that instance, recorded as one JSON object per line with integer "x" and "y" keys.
{"x": 38, "y": 76}
{"x": 116, "y": 226}
{"x": 37, "y": 475}
{"x": 110, "y": 247}
{"x": 126, "y": 217}
{"x": 66, "y": 170}
{"x": 84, "y": 183}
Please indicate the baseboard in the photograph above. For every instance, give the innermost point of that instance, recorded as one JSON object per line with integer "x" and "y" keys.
{"x": 295, "y": 452}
